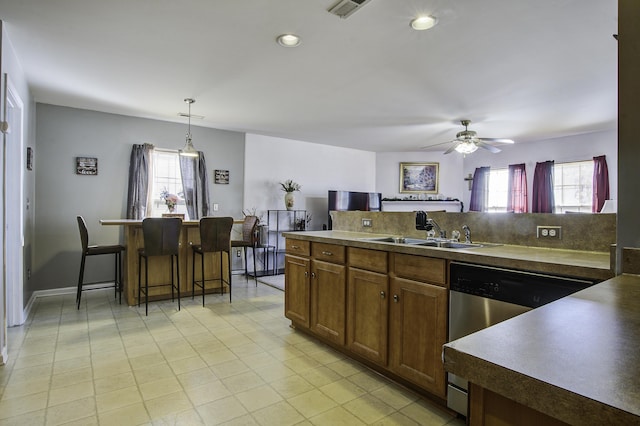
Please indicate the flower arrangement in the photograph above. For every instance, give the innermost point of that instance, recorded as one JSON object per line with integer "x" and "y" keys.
{"x": 169, "y": 199}
{"x": 290, "y": 186}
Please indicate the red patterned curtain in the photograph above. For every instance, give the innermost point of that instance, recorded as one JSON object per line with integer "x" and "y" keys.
{"x": 543, "y": 200}
{"x": 600, "y": 183}
{"x": 517, "y": 193}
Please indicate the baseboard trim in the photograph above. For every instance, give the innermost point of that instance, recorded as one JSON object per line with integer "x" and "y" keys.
{"x": 4, "y": 356}
{"x": 60, "y": 292}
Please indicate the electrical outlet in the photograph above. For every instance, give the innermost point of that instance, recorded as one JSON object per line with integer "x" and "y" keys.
{"x": 366, "y": 223}
{"x": 553, "y": 232}
{"x": 216, "y": 207}
{"x": 238, "y": 253}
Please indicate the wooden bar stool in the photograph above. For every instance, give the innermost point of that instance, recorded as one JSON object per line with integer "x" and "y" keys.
{"x": 215, "y": 237}
{"x": 161, "y": 238}
{"x": 95, "y": 250}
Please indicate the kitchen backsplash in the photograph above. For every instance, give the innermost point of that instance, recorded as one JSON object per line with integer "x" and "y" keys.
{"x": 591, "y": 232}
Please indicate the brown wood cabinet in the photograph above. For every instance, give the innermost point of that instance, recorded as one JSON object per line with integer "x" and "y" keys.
{"x": 387, "y": 308}
{"x": 315, "y": 288}
{"x": 367, "y": 306}
{"x": 328, "y": 294}
{"x": 418, "y": 320}
{"x": 296, "y": 295}
{"x": 297, "y": 270}
{"x": 488, "y": 408}
{"x": 328, "y": 291}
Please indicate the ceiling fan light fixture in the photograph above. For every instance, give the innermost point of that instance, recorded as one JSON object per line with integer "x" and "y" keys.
{"x": 423, "y": 22}
{"x": 189, "y": 150}
{"x": 288, "y": 40}
{"x": 466, "y": 147}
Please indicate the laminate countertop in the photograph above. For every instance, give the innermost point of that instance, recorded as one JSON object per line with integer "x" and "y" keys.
{"x": 574, "y": 263}
{"x": 576, "y": 359}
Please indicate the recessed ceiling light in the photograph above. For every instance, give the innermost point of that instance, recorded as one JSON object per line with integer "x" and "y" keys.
{"x": 288, "y": 40}
{"x": 423, "y": 22}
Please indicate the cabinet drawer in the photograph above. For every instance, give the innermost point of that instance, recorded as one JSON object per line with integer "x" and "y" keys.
{"x": 370, "y": 260}
{"x": 299, "y": 247}
{"x": 419, "y": 268}
{"x": 328, "y": 252}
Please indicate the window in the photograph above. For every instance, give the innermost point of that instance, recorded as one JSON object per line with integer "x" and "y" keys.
{"x": 498, "y": 190}
{"x": 573, "y": 186}
{"x": 165, "y": 176}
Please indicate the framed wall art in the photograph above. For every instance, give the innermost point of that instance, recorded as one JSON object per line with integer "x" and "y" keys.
{"x": 221, "y": 176}
{"x": 86, "y": 166}
{"x": 416, "y": 178}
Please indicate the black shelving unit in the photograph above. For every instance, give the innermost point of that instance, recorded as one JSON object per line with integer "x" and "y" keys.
{"x": 280, "y": 221}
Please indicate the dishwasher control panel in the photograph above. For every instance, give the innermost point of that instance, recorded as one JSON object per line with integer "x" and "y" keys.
{"x": 519, "y": 287}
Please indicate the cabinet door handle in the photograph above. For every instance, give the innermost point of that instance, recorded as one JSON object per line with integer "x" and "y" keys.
{"x": 396, "y": 298}
{"x": 313, "y": 275}
{"x": 306, "y": 274}
{"x": 382, "y": 295}
{"x": 295, "y": 247}
{"x": 327, "y": 253}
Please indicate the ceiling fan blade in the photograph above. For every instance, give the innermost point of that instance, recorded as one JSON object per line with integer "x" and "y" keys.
{"x": 452, "y": 148}
{"x": 436, "y": 144}
{"x": 499, "y": 140}
{"x": 487, "y": 146}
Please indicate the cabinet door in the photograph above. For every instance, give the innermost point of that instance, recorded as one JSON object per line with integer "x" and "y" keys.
{"x": 296, "y": 294}
{"x": 418, "y": 330}
{"x": 328, "y": 293}
{"x": 367, "y": 314}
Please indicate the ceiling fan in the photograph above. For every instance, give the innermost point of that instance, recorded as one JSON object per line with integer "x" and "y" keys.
{"x": 467, "y": 141}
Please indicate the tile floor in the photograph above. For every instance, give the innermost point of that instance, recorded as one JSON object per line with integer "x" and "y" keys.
{"x": 235, "y": 364}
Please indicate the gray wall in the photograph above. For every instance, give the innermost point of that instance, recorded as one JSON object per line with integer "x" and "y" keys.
{"x": 65, "y": 133}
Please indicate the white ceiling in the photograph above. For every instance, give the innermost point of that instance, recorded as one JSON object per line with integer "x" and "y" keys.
{"x": 519, "y": 69}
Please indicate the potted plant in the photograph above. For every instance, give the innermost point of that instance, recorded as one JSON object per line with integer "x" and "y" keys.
{"x": 289, "y": 187}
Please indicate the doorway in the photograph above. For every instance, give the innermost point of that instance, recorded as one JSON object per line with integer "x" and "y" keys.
{"x": 14, "y": 152}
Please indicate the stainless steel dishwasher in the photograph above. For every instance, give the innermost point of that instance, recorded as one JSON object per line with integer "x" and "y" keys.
{"x": 481, "y": 296}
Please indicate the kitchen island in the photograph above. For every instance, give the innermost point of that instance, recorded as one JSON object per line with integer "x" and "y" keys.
{"x": 160, "y": 267}
{"x": 575, "y": 360}
{"x": 385, "y": 304}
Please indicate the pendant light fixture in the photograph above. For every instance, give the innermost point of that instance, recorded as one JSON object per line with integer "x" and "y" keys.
{"x": 189, "y": 150}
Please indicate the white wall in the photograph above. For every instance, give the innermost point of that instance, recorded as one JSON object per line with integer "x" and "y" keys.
{"x": 388, "y": 172}
{"x": 561, "y": 150}
{"x": 318, "y": 168}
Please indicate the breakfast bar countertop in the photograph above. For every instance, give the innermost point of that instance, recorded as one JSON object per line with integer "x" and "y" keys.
{"x": 574, "y": 263}
{"x": 576, "y": 359}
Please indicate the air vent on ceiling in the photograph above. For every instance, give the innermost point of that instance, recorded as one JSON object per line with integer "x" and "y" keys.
{"x": 345, "y": 8}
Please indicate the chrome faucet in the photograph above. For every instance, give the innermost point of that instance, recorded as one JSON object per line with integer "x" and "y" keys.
{"x": 467, "y": 234}
{"x": 433, "y": 223}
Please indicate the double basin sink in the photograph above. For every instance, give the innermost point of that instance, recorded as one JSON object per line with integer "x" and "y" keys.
{"x": 429, "y": 242}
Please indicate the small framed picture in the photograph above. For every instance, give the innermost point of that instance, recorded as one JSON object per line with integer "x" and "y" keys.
{"x": 86, "y": 166}
{"x": 29, "y": 158}
{"x": 221, "y": 176}
{"x": 419, "y": 178}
